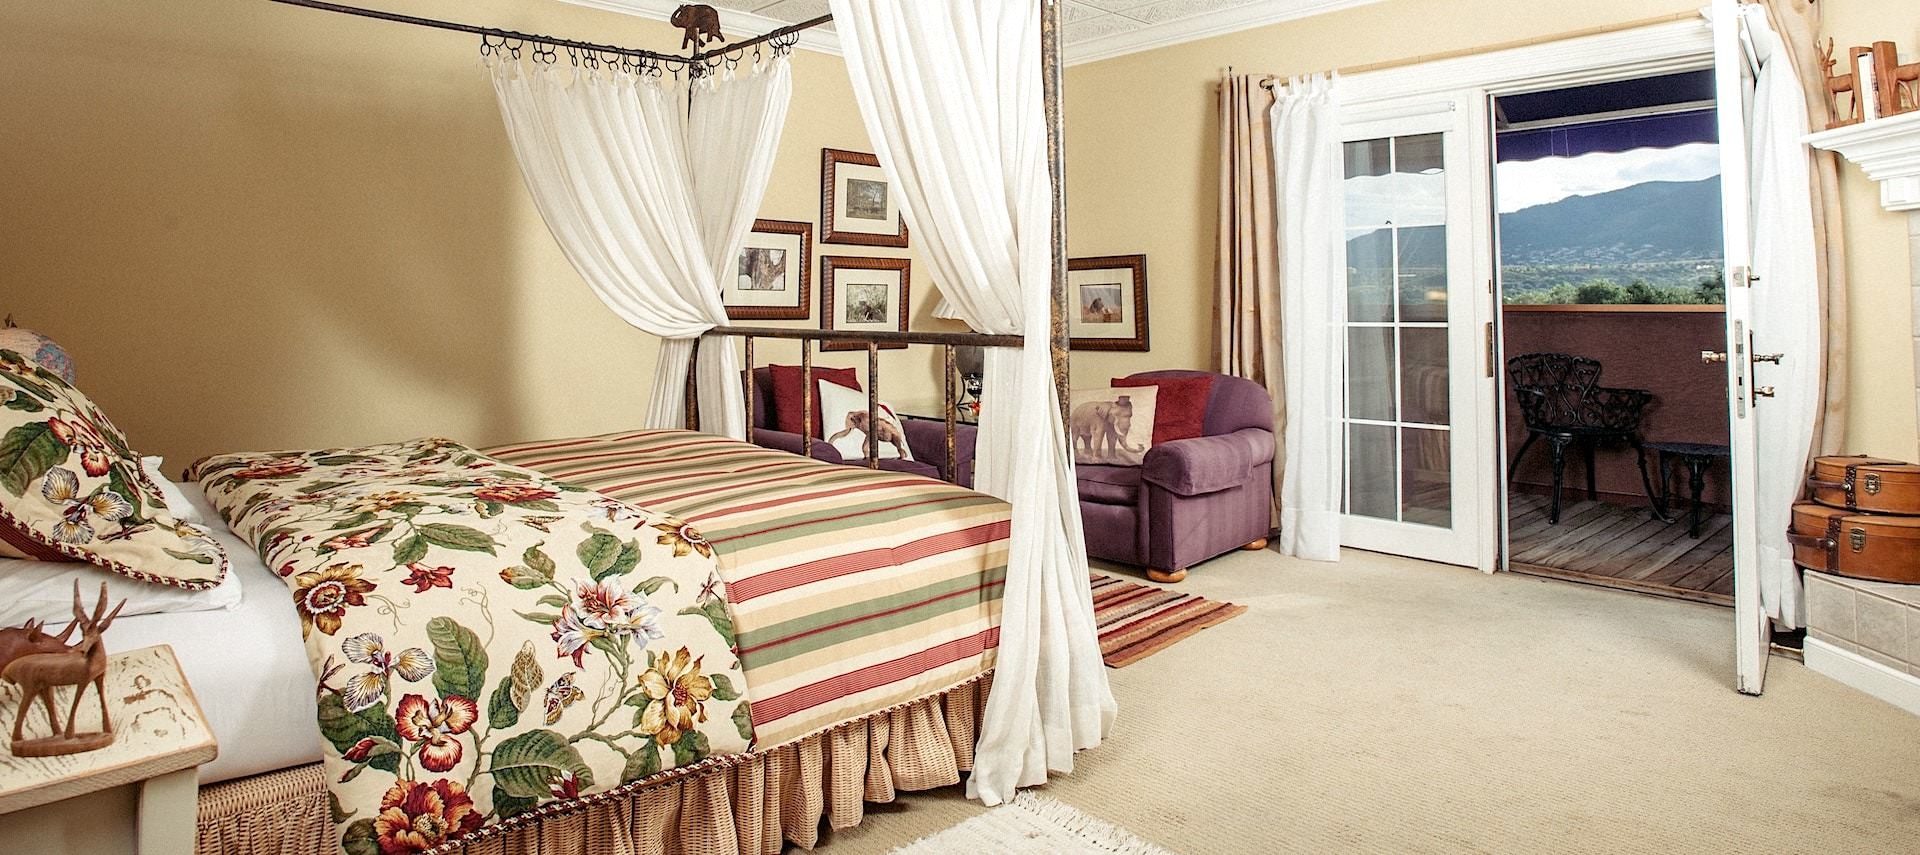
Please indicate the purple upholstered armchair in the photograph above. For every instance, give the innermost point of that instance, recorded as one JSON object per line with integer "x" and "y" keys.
{"x": 1190, "y": 499}
{"x": 927, "y": 439}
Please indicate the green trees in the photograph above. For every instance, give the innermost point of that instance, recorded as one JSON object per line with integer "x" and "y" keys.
{"x": 1594, "y": 291}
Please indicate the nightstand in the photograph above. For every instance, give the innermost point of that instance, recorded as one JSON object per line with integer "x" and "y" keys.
{"x": 138, "y": 795}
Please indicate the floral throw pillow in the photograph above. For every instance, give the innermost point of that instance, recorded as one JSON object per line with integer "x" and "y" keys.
{"x": 72, "y": 490}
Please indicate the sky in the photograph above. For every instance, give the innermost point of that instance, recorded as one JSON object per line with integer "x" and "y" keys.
{"x": 1523, "y": 184}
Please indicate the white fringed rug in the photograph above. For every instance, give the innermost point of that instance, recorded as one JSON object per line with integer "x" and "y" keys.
{"x": 1032, "y": 824}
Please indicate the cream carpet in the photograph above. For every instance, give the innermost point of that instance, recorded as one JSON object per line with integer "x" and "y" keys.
{"x": 1385, "y": 705}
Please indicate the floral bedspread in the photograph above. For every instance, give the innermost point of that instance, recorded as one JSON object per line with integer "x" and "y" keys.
{"x": 488, "y": 642}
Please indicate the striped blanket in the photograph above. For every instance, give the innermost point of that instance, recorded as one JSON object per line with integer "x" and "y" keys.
{"x": 852, "y": 589}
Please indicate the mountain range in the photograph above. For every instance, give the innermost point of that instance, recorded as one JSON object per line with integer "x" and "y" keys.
{"x": 1647, "y": 222}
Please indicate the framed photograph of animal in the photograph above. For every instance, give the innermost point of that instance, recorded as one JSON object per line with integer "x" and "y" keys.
{"x": 858, "y": 205}
{"x": 865, "y": 295}
{"x": 774, "y": 279}
{"x": 1108, "y": 302}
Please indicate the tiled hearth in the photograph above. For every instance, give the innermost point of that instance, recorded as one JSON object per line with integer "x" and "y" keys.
{"x": 1877, "y": 620}
{"x": 1866, "y": 635}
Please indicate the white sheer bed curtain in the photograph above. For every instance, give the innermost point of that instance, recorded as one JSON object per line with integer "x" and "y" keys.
{"x": 951, "y": 95}
{"x": 650, "y": 186}
{"x": 1786, "y": 308}
{"x": 1310, "y": 213}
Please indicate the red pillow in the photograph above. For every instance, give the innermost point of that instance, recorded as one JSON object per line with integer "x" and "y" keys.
{"x": 787, "y": 403}
{"x": 1181, "y": 412}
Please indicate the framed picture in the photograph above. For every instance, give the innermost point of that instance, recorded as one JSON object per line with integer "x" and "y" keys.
{"x": 863, "y": 294}
{"x": 774, "y": 279}
{"x": 1107, "y": 299}
{"x": 858, "y": 205}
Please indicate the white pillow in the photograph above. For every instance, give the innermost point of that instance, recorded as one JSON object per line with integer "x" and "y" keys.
{"x": 179, "y": 502}
{"x": 44, "y": 589}
{"x": 843, "y": 417}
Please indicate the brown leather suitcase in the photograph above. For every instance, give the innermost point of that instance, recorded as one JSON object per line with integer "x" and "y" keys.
{"x": 1863, "y": 546}
{"x": 1866, "y": 484}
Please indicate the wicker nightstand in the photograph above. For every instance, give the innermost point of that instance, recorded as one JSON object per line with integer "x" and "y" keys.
{"x": 136, "y": 795}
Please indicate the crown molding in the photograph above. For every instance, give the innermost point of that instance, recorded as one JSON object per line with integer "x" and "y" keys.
{"x": 815, "y": 39}
{"x": 1199, "y": 27}
{"x": 1092, "y": 50}
{"x": 1678, "y": 45}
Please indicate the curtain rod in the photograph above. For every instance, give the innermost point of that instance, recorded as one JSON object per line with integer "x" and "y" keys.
{"x": 787, "y": 30}
{"x": 495, "y": 32}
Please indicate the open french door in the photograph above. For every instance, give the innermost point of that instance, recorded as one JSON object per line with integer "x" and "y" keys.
{"x": 1414, "y": 476}
{"x": 1734, "y": 85}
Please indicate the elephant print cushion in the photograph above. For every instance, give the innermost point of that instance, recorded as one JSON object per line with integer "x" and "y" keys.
{"x": 1112, "y": 427}
{"x": 72, "y": 490}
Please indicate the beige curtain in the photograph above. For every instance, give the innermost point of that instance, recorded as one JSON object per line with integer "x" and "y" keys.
{"x": 1798, "y": 23}
{"x": 1246, "y": 263}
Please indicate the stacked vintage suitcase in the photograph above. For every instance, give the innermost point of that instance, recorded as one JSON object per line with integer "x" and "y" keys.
{"x": 1863, "y": 522}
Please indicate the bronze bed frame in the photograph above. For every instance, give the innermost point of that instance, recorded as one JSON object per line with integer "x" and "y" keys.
{"x": 288, "y": 810}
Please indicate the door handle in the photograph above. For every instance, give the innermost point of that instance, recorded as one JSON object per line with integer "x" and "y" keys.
{"x": 1713, "y": 357}
{"x": 1762, "y": 392}
{"x": 1768, "y": 357}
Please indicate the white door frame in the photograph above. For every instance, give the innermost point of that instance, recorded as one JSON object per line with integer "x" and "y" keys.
{"x": 1463, "y": 88}
{"x": 1683, "y": 45}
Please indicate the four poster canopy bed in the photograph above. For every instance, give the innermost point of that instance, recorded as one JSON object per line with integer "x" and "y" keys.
{"x": 662, "y": 639}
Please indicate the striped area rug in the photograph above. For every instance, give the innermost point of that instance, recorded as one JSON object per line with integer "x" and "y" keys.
{"x": 1137, "y": 621}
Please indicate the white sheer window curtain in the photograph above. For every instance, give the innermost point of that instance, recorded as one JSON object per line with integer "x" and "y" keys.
{"x": 951, "y": 95}
{"x": 1786, "y": 307}
{"x": 650, "y": 185}
{"x": 1309, "y": 214}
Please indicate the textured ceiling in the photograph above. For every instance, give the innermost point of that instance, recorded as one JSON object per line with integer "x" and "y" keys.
{"x": 1088, "y": 20}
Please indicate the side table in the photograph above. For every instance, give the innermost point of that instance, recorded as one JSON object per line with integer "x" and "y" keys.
{"x": 1698, "y": 458}
{"x": 78, "y": 803}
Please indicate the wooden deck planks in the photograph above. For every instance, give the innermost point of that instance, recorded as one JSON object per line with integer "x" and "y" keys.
{"x": 1623, "y": 546}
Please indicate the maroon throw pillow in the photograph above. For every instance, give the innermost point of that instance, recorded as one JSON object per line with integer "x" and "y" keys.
{"x": 1182, "y": 409}
{"x": 788, "y": 406}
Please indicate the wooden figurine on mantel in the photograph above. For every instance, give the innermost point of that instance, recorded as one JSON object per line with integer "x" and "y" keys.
{"x": 1879, "y": 84}
{"x": 38, "y": 662}
{"x": 701, "y": 23}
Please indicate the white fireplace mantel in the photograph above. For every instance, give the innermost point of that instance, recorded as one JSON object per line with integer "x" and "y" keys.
{"x": 1888, "y": 150}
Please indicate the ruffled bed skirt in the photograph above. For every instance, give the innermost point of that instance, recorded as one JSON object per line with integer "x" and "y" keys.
{"x": 745, "y": 808}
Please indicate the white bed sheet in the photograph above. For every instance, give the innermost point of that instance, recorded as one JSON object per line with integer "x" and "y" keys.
{"x": 248, "y": 666}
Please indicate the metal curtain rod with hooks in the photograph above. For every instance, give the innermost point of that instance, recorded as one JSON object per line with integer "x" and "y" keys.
{"x": 773, "y": 36}
{"x": 777, "y": 37}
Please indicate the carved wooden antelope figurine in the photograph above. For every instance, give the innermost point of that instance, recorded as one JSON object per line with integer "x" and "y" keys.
{"x": 80, "y": 665}
{"x": 31, "y": 637}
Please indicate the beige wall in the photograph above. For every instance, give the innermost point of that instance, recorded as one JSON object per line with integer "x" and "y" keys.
{"x": 258, "y": 226}
{"x": 1142, "y": 161}
{"x": 1882, "y": 314}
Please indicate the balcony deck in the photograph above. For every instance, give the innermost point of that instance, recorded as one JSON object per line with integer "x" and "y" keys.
{"x": 1623, "y": 546}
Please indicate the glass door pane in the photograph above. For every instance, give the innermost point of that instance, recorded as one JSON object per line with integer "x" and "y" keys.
{"x": 1399, "y": 389}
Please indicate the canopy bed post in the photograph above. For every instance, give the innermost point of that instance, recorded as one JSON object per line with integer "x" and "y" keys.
{"x": 1050, "y": 82}
{"x": 873, "y": 405}
{"x": 806, "y": 398}
{"x": 752, "y": 388}
{"x": 948, "y": 372}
